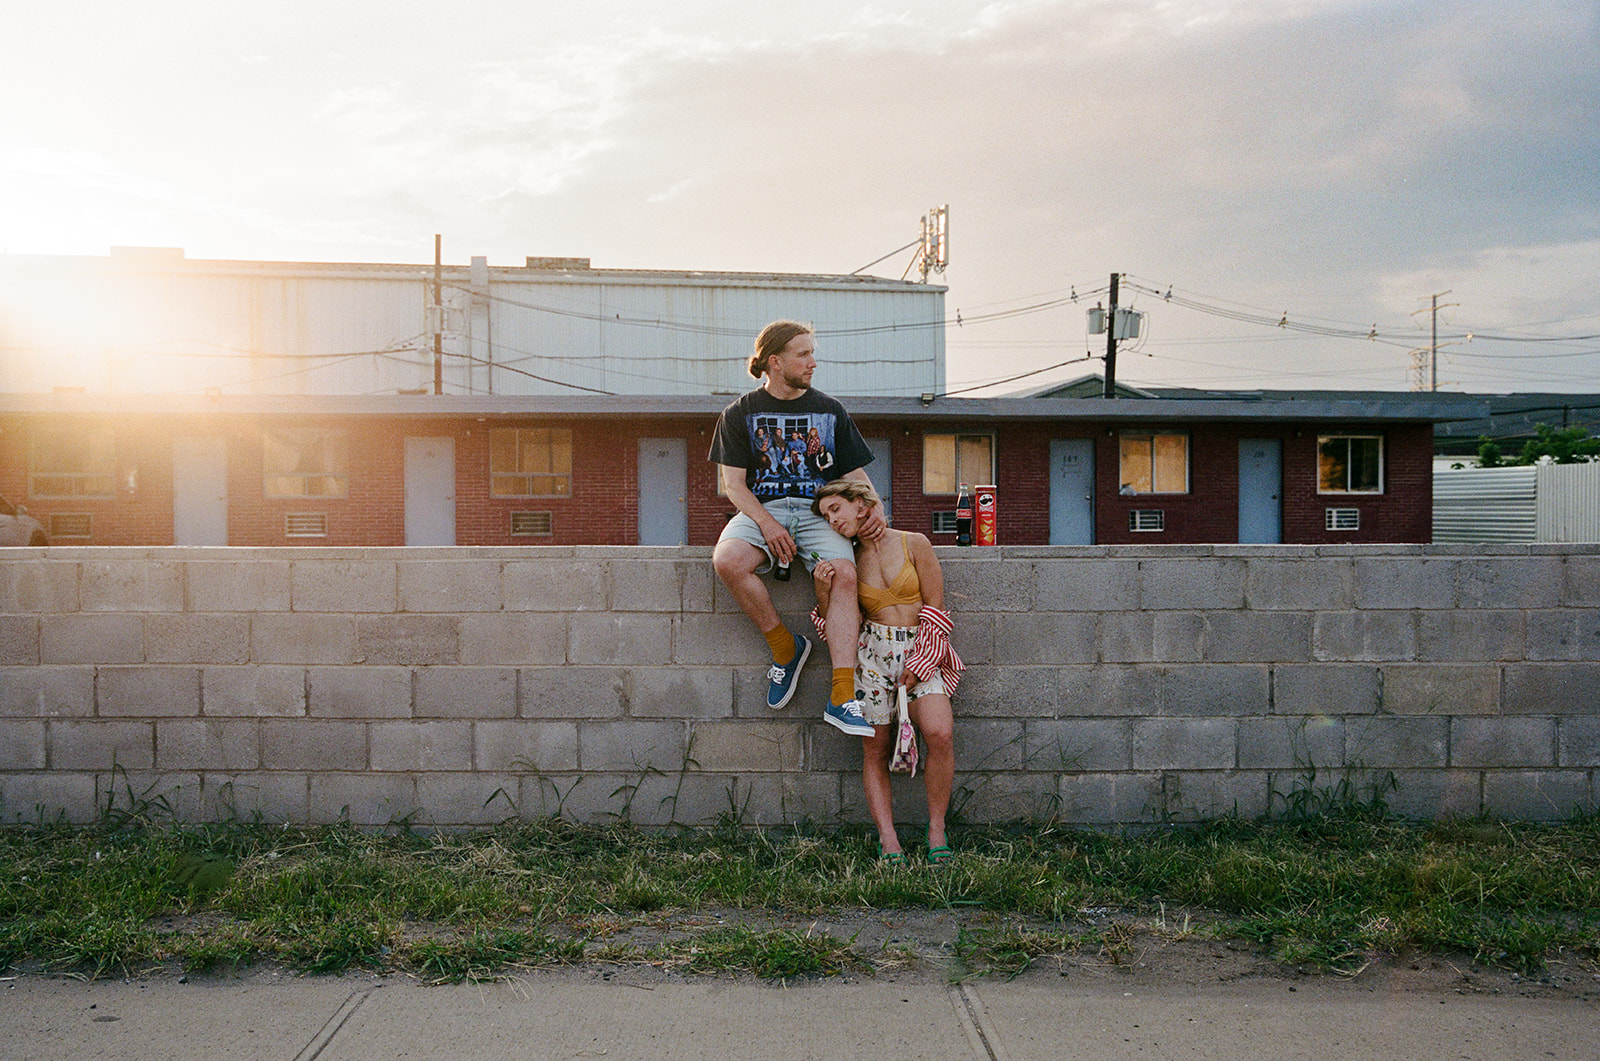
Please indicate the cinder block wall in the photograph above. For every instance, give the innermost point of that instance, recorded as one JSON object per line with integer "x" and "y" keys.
{"x": 1107, "y": 685}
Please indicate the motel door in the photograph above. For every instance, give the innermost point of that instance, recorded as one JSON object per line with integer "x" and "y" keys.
{"x": 1071, "y": 491}
{"x": 430, "y": 491}
{"x": 1260, "y": 491}
{"x": 880, "y": 474}
{"x": 200, "y": 491}
{"x": 663, "y": 491}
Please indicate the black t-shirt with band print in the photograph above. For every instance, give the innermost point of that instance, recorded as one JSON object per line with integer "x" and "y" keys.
{"x": 788, "y": 448}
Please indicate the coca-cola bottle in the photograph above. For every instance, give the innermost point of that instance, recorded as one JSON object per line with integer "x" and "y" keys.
{"x": 964, "y": 515}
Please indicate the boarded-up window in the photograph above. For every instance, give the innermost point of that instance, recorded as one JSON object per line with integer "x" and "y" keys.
{"x": 1154, "y": 463}
{"x": 71, "y": 462}
{"x": 306, "y": 462}
{"x": 950, "y": 460}
{"x": 530, "y": 462}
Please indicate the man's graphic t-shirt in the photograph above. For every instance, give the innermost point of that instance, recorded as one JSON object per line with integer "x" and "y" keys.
{"x": 788, "y": 448}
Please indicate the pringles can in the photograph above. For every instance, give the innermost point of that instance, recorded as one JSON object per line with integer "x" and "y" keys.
{"x": 985, "y": 529}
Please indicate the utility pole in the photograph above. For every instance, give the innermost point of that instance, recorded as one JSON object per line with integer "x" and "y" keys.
{"x": 1111, "y": 340}
{"x": 438, "y": 317}
{"x": 1432, "y": 381}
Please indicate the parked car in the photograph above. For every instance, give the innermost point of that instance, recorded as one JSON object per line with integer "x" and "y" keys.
{"x": 19, "y": 528}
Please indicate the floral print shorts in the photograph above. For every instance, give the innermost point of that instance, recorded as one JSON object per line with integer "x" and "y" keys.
{"x": 880, "y": 661}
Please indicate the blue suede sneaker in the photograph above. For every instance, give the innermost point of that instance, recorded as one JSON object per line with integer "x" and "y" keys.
{"x": 781, "y": 681}
{"x": 847, "y": 718}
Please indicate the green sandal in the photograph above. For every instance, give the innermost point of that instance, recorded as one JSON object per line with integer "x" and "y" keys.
{"x": 891, "y": 858}
{"x": 937, "y": 856}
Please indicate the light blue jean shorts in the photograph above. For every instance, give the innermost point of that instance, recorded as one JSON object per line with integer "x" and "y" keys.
{"x": 810, "y": 532}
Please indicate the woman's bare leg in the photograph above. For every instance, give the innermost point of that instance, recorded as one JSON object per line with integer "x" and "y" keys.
{"x": 875, "y": 752}
{"x": 934, "y": 719}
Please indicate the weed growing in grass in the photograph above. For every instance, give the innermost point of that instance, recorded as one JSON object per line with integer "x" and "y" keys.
{"x": 775, "y": 955}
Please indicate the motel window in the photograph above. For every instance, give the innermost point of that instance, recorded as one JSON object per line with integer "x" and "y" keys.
{"x": 72, "y": 463}
{"x": 1153, "y": 463}
{"x": 1350, "y": 464}
{"x": 530, "y": 462}
{"x": 950, "y": 460}
{"x": 306, "y": 462}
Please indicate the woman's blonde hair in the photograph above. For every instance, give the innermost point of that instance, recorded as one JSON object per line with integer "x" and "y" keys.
{"x": 849, "y": 489}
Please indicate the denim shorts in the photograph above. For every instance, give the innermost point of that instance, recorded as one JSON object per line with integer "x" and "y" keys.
{"x": 810, "y": 532}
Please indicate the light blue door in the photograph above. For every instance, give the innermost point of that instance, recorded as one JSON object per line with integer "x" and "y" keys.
{"x": 1260, "y": 491}
{"x": 1071, "y": 491}
{"x": 200, "y": 491}
{"x": 430, "y": 491}
{"x": 663, "y": 491}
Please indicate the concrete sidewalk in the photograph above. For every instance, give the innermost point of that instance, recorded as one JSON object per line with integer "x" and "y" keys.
{"x": 592, "y": 1014}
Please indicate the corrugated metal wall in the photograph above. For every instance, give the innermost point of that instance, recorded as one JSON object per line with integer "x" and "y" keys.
{"x": 1569, "y": 502}
{"x": 1484, "y": 505}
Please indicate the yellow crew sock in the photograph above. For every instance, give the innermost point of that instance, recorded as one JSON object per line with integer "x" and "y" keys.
{"x": 781, "y": 641}
{"x": 844, "y": 684}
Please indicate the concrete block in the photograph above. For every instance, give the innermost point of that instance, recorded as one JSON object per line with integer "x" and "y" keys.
{"x": 1071, "y": 746}
{"x": 1564, "y": 635}
{"x": 590, "y": 798}
{"x": 1185, "y": 743}
{"x": 358, "y": 692}
{"x": 630, "y": 747}
{"x": 46, "y": 692}
{"x": 1101, "y": 690}
{"x": 94, "y": 639}
{"x": 19, "y": 641}
{"x": 1086, "y": 585}
{"x": 1471, "y": 636}
{"x": 409, "y": 640}
{"x": 449, "y": 585}
{"x": 414, "y": 746}
{"x": 554, "y": 585}
{"x": 208, "y": 744}
{"x": 1551, "y": 689}
{"x": 989, "y": 587}
{"x": 260, "y": 691}
{"x": 297, "y": 638}
{"x": 1046, "y": 638}
{"x": 1263, "y": 637}
{"x": 91, "y": 745}
{"x": 1517, "y": 743}
{"x": 362, "y": 799}
{"x": 1581, "y": 582}
{"x": 525, "y": 746}
{"x": 987, "y": 799}
{"x": 187, "y": 637}
{"x": 1109, "y": 799}
{"x": 1578, "y": 741}
{"x": 302, "y": 744}
{"x": 699, "y": 584}
{"x": 1402, "y": 742}
{"x": 1325, "y": 689}
{"x": 465, "y": 692}
{"x": 570, "y": 692}
{"x": 1434, "y": 795}
{"x": 167, "y": 794}
{"x": 639, "y": 639}
{"x": 252, "y": 585}
{"x": 1151, "y": 637}
{"x": 724, "y": 639}
{"x": 273, "y": 798}
{"x": 1440, "y": 689}
{"x": 22, "y": 744}
{"x": 1198, "y": 796}
{"x": 1300, "y": 585}
{"x": 1511, "y": 582}
{"x": 1538, "y": 795}
{"x": 130, "y": 586}
{"x": 356, "y": 585}
{"x": 989, "y": 744}
{"x": 1192, "y": 584}
{"x": 43, "y": 799}
{"x": 1362, "y": 636}
{"x": 651, "y": 586}
{"x": 1011, "y": 692}
{"x": 35, "y": 586}
{"x": 514, "y": 638}
{"x": 1406, "y": 583}
{"x": 773, "y": 800}
{"x": 1216, "y": 689}
{"x": 747, "y": 746}
{"x": 455, "y": 800}
{"x": 680, "y": 692}
{"x": 147, "y": 691}
{"x": 1311, "y": 742}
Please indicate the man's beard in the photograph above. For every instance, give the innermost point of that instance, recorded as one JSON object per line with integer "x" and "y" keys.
{"x": 799, "y": 383}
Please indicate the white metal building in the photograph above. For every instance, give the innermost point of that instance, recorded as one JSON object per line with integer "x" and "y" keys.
{"x": 1527, "y": 503}
{"x": 149, "y": 320}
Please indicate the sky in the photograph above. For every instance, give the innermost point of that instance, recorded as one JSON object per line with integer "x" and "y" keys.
{"x": 1272, "y": 180}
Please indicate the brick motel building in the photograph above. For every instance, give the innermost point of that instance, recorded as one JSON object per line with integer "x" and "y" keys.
{"x": 393, "y": 470}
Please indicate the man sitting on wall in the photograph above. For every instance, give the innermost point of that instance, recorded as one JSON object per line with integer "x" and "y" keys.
{"x": 775, "y": 524}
